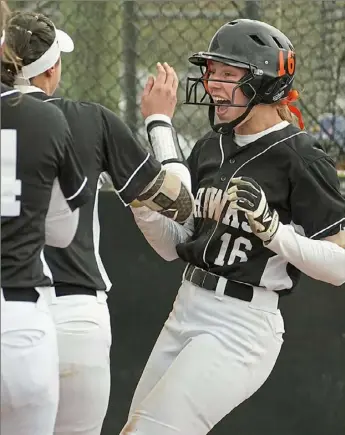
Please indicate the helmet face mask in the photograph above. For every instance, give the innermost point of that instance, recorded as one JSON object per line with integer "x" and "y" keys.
{"x": 244, "y": 84}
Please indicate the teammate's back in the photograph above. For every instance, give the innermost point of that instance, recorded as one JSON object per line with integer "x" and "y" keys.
{"x": 44, "y": 153}
{"x": 43, "y": 186}
{"x": 79, "y": 264}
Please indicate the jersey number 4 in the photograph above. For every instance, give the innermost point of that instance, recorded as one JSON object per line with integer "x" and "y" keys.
{"x": 236, "y": 251}
{"x": 10, "y": 186}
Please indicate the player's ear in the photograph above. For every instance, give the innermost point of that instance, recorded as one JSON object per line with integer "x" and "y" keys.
{"x": 50, "y": 71}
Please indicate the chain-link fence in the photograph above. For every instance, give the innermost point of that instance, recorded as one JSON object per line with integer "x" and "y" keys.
{"x": 118, "y": 42}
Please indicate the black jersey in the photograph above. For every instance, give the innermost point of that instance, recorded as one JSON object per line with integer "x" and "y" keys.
{"x": 300, "y": 182}
{"x": 106, "y": 145}
{"x": 36, "y": 148}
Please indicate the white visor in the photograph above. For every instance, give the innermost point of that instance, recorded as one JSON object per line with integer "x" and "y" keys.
{"x": 62, "y": 43}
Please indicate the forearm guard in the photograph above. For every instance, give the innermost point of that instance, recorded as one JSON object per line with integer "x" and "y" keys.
{"x": 168, "y": 195}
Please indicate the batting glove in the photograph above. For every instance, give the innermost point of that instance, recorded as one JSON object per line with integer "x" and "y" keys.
{"x": 246, "y": 195}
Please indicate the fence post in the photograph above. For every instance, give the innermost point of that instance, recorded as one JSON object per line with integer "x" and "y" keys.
{"x": 252, "y": 9}
{"x": 130, "y": 37}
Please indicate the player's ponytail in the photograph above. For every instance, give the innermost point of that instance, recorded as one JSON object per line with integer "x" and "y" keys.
{"x": 7, "y": 56}
{"x": 28, "y": 37}
{"x": 288, "y": 111}
{"x": 286, "y": 115}
{"x": 3, "y": 16}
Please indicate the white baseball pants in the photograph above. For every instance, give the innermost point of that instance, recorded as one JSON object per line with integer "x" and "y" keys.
{"x": 213, "y": 353}
{"x": 84, "y": 338}
{"x": 29, "y": 368}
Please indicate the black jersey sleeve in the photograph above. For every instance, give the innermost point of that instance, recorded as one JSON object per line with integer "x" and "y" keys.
{"x": 129, "y": 165}
{"x": 316, "y": 202}
{"x": 71, "y": 177}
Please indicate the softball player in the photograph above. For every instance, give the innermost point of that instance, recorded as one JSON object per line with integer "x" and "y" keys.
{"x": 257, "y": 180}
{"x": 41, "y": 185}
{"x": 107, "y": 149}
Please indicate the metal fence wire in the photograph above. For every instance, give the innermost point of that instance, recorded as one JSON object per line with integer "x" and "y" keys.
{"x": 117, "y": 44}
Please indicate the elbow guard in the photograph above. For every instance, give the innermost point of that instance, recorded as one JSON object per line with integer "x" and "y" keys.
{"x": 168, "y": 195}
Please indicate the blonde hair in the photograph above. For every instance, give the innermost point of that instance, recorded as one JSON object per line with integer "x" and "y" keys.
{"x": 4, "y": 14}
{"x": 7, "y": 55}
{"x": 286, "y": 115}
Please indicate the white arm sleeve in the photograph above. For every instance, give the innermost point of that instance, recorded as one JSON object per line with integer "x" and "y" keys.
{"x": 319, "y": 259}
{"x": 162, "y": 233}
{"x": 61, "y": 223}
{"x": 162, "y": 137}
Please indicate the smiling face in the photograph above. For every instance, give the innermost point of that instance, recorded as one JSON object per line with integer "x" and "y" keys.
{"x": 224, "y": 92}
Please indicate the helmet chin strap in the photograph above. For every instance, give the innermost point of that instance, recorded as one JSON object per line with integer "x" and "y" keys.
{"x": 228, "y": 127}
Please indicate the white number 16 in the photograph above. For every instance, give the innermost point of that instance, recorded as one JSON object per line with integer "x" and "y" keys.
{"x": 236, "y": 251}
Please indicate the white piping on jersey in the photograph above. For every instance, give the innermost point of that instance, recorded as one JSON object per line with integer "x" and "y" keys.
{"x": 237, "y": 170}
{"x": 12, "y": 91}
{"x": 51, "y": 99}
{"x": 327, "y": 228}
{"x": 134, "y": 173}
{"x": 78, "y": 191}
{"x": 221, "y": 150}
{"x": 106, "y": 178}
{"x": 96, "y": 238}
{"x": 120, "y": 197}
